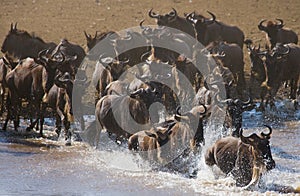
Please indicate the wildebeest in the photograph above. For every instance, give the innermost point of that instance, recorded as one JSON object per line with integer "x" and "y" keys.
{"x": 189, "y": 128}
{"x": 101, "y": 44}
{"x": 107, "y": 70}
{"x": 5, "y": 67}
{"x": 209, "y": 30}
{"x": 258, "y": 71}
{"x": 152, "y": 141}
{"x": 80, "y": 85}
{"x": 19, "y": 44}
{"x": 282, "y": 64}
{"x": 24, "y": 82}
{"x": 276, "y": 33}
{"x": 245, "y": 158}
{"x": 60, "y": 100}
{"x": 123, "y": 115}
{"x": 233, "y": 58}
{"x": 172, "y": 20}
{"x": 31, "y": 81}
{"x": 234, "y": 113}
{"x": 70, "y": 49}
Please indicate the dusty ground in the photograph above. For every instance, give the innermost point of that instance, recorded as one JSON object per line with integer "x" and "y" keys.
{"x": 53, "y": 20}
{"x": 56, "y": 19}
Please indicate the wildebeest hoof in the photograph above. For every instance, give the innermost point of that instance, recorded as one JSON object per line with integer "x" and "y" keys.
{"x": 68, "y": 143}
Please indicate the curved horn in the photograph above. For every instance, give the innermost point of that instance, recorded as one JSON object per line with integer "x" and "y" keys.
{"x": 144, "y": 56}
{"x": 213, "y": 17}
{"x": 96, "y": 34}
{"x": 260, "y": 25}
{"x": 280, "y": 25}
{"x": 205, "y": 109}
{"x": 249, "y": 100}
{"x": 88, "y": 36}
{"x": 221, "y": 102}
{"x": 173, "y": 13}
{"x": 268, "y": 134}
{"x": 128, "y": 37}
{"x": 138, "y": 91}
{"x": 124, "y": 62}
{"x": 287, "y": 50}
{"x": 178, "y": 116}
{"x": 189, "y": 17}
{"x": 177, "y": 110}
{"x": 141, "y": 24}
{"x": 152, "y": 14}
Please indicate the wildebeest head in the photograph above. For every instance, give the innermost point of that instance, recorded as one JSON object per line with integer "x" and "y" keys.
{"x": 234, "y": 112}
{"x": 261, "y": 148}
{"x": 271, "y": 26}
{"x": 257, "y": 64}
{"x": 274, "y": 64}
{"x": 131, "y": 47}
{"x": 271, "y": 29}
{"x": 201, "y": 23}
{"x": 116, "y": 67}
{"x": 148, "y": 95}
{"x": 92, "y": 41}
{"x": 54, "y": 61}
{"x": 191, "y": 116}
{"x": 164, "y": 20}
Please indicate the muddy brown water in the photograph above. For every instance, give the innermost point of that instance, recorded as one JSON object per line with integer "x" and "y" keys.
{"x": 38, "y": 166}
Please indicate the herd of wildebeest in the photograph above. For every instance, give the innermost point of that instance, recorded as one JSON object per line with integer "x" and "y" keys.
{"x": 37, "y": 77}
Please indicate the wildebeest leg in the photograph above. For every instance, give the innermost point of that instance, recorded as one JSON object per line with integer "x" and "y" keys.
{"x": 262, "y": 96}
{"x": 98, "y": 131}
{"x": 33, "y": 108}
{"x": 293, "y": 89}
{"x": 68, "y": 132}
{"x": 57, "y": 124}
{"x": 2, "y": 99}
{"x": 82, "y": 123}
{"x": 255, "y": 178}
{"x": 240, "y": 83}
{"x": 9, "y": 113}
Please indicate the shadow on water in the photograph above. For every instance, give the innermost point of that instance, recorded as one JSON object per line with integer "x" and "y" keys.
{"x": 16, "y": 154}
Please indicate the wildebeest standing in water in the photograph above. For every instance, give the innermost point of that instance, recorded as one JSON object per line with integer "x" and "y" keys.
{"x": 245, "y": 158}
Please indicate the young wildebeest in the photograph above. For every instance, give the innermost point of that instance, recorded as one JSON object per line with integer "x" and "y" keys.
{"x": 245, "y": 158}
{"x": 151, "y": 141}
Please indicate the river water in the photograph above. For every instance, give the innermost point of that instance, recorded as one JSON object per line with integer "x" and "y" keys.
{"x": 38, "y": 166}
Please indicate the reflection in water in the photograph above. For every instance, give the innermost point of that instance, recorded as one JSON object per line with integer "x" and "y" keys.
{"x": 48, "y": 167}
